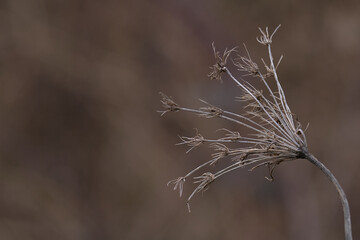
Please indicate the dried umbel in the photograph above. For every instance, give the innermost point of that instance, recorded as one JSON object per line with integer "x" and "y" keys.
{"x": 276, "y": 135}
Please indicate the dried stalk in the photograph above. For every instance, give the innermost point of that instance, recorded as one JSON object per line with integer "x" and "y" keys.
{"x": 344, "y": 201}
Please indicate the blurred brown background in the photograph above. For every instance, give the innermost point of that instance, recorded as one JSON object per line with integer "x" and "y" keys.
{"x": 85, "y": 155}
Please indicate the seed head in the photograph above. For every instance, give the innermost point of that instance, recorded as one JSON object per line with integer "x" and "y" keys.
{"x": 168, "y": 104}
{"x": 276, "y": 136}
{"x": 219, "y": 67}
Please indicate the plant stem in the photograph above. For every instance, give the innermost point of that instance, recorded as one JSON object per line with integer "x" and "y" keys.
{"x": 344, "y": 201}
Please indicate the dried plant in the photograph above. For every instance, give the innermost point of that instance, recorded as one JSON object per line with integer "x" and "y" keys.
{"x": 277, "y": 136}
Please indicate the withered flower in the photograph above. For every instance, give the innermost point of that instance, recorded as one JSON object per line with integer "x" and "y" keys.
{"x": 221, "y": 60}
{"x": 276, "y": 135}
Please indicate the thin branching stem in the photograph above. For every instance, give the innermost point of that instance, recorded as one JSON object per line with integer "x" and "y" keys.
{"x": 276, "y": 103}
{"x": 262, "y": 107}
{"x": 285, "y": 138}
{"x": 272, "y": 106}
{"x": 197, "y": 168}
{"x": 223, "y": 117}
{"x": 281, "y": 92}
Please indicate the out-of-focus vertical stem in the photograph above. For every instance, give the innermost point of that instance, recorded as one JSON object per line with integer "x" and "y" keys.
{"x": 344, "y": 201}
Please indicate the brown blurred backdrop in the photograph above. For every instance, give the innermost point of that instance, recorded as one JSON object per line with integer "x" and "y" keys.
{"x": 85, "y": 155}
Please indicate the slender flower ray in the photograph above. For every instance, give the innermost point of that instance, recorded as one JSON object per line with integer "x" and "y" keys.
{"x": 267, "y": 113}
{"x": 290, "y": 121}
{"x": 221, "y": 116}
{"x": 255, "y": 123}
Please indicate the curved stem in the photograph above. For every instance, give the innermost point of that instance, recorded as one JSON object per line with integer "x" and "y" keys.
{"x": 344, "y": 201}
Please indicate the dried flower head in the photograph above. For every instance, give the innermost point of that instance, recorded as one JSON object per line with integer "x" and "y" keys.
{"x": 276, "y": 135}
{"x": 221, "y": 152}
{"x": 247, "y": 64}
{"x": 192, "y": 142}
{"x": 265, "y": 37}
{"x": 221, "y": 60}
{"x": 168, "y": 104}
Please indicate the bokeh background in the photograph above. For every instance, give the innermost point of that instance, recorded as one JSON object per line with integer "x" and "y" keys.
{"x": 85, "y": 155}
